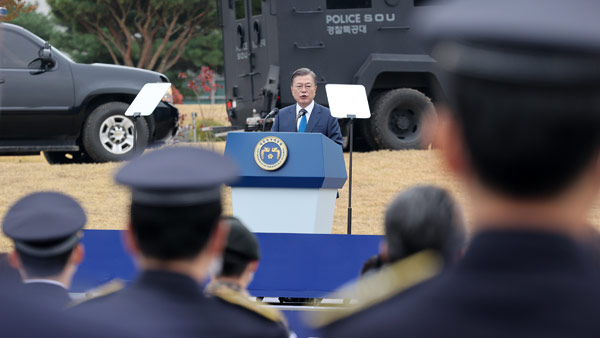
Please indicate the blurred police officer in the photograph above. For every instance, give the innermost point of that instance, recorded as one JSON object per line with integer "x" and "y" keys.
{"x": 423, "y": 218}
{"x": 240, "y": 261}
{"x": 424, "y": 233}
{"x": 174, "y": 236}
{"x": 522, "y": 133}
{"x": 420, "y": 218}
{"x": 45, "y": 228}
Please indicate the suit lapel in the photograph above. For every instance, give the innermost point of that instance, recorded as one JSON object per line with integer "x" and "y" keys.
{"x": 293, "y": 121}
{"x": 314, "y": 118}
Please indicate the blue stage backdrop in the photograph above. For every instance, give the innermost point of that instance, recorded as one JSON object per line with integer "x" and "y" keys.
{"x": 292, "y": 265}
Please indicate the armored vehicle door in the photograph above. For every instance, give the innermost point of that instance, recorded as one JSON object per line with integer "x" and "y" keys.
{"x": 246, "y": 51}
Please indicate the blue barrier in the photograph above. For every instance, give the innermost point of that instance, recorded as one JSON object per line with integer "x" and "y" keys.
{"x": 292, "y": 265}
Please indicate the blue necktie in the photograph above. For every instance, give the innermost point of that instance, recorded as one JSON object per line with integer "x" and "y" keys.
{"x": 302, "y": 127}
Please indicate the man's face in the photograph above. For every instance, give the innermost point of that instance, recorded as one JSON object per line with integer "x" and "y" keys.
{"x": 304, "y": 90}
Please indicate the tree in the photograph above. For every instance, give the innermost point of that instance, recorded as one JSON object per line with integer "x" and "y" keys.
{"x": 148, "y": 34}
{"x": 81, "y": 47}
{"x": 37, "y": 23}
{"x": 15, "y": 7}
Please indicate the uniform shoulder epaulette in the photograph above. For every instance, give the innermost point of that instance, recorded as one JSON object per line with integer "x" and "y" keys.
{"x": 377, "y": 287}
{"x": 233, "y": 297}
{"x": 106, "y": 289}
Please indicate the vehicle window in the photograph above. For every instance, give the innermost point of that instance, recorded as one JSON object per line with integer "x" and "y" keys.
{"x": 240, "y": 9}
{"x": 348, "y": 4}
{"x": 16, "y": 51}
{"x": 256, "y": 7}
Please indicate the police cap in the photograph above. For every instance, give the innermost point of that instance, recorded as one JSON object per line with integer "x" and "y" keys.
{"x": 241, "y": 242}
{"x": 531, "y": 41}
{"x": 177, "y": 176}
{"x": 44, "y": 224}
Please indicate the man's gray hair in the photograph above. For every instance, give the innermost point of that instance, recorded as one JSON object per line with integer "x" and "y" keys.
{"x": 302, "y": 72}
{"x": 424, "y": 217}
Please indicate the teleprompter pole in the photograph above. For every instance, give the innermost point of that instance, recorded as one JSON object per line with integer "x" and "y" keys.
{"x": 135, "y": 118}
{"x": 349, "y": 231}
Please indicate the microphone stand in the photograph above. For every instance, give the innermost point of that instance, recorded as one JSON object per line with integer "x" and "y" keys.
{"x": 265, "y": 122}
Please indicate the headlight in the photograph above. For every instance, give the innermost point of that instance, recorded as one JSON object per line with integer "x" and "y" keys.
{"x": 169, "y": 95}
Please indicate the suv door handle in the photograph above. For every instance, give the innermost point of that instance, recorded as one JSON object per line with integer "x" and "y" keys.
{"x": 1, "y": 80}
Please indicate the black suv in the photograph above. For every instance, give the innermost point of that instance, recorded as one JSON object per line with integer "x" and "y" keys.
{"x": 72, "y": 112}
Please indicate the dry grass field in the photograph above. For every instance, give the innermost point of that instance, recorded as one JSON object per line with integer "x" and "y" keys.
{"x": 377, "y": 177}
{"x": 210, "y": 112}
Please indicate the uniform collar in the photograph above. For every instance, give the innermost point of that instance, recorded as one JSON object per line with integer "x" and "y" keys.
{"x": 524, "y": 251}
{"x": 167, "y": 280}
{"x": 44, "y": 281}
{"x": 213, "y": 287}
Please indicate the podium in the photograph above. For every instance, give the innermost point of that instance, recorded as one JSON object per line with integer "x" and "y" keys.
{"x": 289, "y": 181}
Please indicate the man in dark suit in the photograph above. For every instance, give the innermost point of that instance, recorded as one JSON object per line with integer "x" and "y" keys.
{"x": 307, "y": 115}
{"x": 45, "y": 228}
{"x": 176, "y": 236}
{"x": 521, "y": 131}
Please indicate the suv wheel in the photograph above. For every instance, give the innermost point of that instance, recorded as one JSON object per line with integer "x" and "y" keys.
{"x": 67, "y": 157}
{"x": 108, "y": 135}
{"x": 397, "y": 121}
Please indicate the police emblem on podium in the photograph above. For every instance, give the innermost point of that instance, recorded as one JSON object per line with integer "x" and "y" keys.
{"x": 270, "y": 153}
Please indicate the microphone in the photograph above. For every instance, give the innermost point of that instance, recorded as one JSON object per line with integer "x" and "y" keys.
{"x": 270, "y": 114}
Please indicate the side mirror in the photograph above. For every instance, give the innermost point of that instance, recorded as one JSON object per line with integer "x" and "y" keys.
{"x": 45, "y": 54}
{"x": 45, "y": 60}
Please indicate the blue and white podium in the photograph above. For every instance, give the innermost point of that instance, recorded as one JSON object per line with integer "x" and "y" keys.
{"x": 289, "y": 181}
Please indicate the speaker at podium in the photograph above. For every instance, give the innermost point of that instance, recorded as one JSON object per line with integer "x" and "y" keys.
{"x": 289, "y": 181}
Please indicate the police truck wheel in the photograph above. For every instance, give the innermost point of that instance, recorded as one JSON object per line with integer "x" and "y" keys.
{"x": 397, "y": 119}
{"x": 108, "y": 135}
{"x": 67, "y": 157}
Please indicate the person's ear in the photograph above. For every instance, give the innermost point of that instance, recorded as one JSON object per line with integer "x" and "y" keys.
{"x": 77, "y": 254}
{"x": 383, "y": 251}
{"x": 129, "y": 241}
{"x": 449, "y": 138}
{"x": 13, "y": 260}
{"x": 253, "y": 266}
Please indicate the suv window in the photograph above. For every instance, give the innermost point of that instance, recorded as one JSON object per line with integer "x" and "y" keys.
{"x": 348, "y": 4}
{"x": 17, "y": 51}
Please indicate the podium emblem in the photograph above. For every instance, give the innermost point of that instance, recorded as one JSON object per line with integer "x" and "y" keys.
{"x": 270, "y": 153}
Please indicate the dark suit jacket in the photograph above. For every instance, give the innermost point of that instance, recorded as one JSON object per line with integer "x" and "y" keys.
{"x": 320, "y": 121}
{"x": 50, "y": 294}
{"x": 165, "y": 304}
{"x": 27, "y": 317}
{"x": 509, "y": 284}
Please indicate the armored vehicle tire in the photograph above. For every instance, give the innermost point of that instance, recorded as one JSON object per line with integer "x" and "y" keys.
{"x": 108, "y": 135}
{"x": 67, "y": 157}
{"x": 397, "y": 119}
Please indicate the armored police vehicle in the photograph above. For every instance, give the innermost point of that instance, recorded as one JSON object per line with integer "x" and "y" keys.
{"x": 344, "y": 41}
